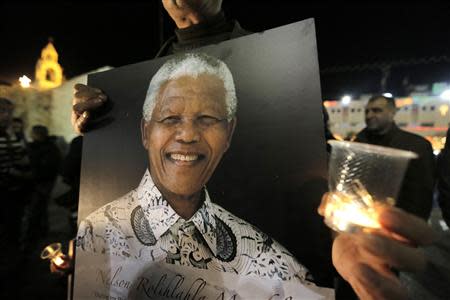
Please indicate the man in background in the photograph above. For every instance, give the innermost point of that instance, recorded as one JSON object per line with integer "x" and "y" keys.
{"x": 416, "y": 193}
{"x": 45, "y": 159}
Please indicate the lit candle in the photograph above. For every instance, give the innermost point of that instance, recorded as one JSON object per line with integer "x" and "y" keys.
{"x": 343, "y": 211}
{"x": 58, "y": 261}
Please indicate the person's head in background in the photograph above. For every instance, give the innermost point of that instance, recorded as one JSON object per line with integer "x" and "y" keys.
{"x": 379, "y": 114}
{"x": 186, "y": 13}
{"x": 39, "y": 133}
{"x": 17, "y": 126}
{"x": 6, "y": 113}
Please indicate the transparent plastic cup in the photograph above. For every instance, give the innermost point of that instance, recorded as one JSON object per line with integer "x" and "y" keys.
{"x": 360, "y": 175}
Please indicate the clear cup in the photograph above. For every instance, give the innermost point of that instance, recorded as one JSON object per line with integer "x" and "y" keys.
{"x": 360, "y": 175}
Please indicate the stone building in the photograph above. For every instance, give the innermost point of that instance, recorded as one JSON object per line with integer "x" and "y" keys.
{"x": 48, "y": 101}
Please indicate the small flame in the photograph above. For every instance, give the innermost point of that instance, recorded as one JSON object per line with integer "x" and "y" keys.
{"x": 24, "y": 81}
{"x": 343, "y": 211}
{"x": 58, "y": 261}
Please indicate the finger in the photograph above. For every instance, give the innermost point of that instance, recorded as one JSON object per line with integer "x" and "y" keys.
{"x": 407, "y": 225}
{"x": 83, "y": 93}
{"x": 81, "y": 122}
{"x": 82, "y": 97}
{"x": 88, "y": 105}
{"x": 389, "y": 234}
{"x": 379, "y": 250}
{"x": 323, "y": 203}
{"x": 79, "y": 87}
{"x": 368, "y": 284}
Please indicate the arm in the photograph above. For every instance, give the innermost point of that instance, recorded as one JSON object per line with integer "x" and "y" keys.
{"x": 416, "y": 195}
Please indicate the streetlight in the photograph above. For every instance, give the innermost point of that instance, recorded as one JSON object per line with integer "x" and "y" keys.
{"x": 445, "y": 95}
{"x": 389, "y": 95}
{"x": 24, "y": 81}
{"x": 346, "y": 100}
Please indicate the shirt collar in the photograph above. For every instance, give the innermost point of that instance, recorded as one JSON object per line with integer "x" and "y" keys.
{"x": 205, "y": 221}
{"x": 161, "y": 215}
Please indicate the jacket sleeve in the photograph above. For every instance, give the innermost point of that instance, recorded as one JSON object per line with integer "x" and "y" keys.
{"x": 443, "y": 183}
{"x": 417, "y": 191}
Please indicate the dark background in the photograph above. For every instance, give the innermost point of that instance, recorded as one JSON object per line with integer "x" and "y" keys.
{"x": 274, "y": 173}
{"x": 355, "y": 38}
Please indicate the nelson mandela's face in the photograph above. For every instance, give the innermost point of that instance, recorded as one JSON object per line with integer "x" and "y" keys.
{"x": 188, "y": 133}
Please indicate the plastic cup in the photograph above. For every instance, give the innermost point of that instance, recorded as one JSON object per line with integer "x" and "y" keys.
{"x": 360, "y": 175}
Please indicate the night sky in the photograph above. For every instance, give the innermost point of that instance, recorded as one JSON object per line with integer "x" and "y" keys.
{"x": 354, "y": 36}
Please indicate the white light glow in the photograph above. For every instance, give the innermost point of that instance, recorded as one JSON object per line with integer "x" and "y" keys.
{"x": 388, "y": 95}
{"x": 443, "y": 109}
{"x": 24, "y": 81}
{"x": 346, "y": 100}
{"x": 58, "y": 261}
{"x": 343, "y": 211}
{"x": 445, "y": 95}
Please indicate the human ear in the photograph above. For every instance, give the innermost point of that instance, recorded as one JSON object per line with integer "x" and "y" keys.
{"x": 230, "y": 130}
{"x": 144, "y": 133}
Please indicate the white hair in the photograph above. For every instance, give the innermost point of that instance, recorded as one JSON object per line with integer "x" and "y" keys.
{"x": 191, "y": 64}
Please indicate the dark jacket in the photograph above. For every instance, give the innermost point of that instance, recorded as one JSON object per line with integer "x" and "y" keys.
{"x": 45, "y": 160}
{"x": 216, "y": 30}
{"x": 443, "y": 181}
{"x": 416, "y": 193}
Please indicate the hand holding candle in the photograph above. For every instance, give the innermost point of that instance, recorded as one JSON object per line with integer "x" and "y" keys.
{"x": 59, "y": 262}
{"x": 374, "y": 237}
{"x": 366, "y": 260}
{"x": 360, "y": 177}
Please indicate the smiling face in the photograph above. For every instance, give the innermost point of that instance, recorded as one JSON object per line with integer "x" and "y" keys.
{"x": 188, "y": 133}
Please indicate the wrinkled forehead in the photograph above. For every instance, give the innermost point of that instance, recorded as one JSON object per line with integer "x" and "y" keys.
{"x": 204, "y": 86}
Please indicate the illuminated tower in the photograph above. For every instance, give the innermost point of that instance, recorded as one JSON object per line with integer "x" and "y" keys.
{"x": 49, "y": 73}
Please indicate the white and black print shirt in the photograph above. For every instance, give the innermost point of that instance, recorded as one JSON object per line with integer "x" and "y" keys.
{"x": 142, "y": 225}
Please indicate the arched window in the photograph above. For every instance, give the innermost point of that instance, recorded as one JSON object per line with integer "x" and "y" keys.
{"x": 50, "y": 75}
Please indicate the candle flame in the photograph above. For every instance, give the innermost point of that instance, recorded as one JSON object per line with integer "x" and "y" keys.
{"x": 58, "y": 261}
{"x": 343, "y": 211}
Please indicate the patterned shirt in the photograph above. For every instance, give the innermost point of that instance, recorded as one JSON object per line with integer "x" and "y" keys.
{"x": 143, "y": 226}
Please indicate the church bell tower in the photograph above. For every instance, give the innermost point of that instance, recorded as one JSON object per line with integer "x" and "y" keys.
{"x": 49, "y": 74}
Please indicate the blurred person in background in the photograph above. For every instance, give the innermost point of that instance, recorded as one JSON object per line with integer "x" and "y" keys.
{"x": 416, "y": 193}
{"x": 45, "y": 160}
{"x": 15, "y": 187}
{"x": 18, "y": 128}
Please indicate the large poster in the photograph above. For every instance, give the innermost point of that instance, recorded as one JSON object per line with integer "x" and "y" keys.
{"x": 274, "y": 173}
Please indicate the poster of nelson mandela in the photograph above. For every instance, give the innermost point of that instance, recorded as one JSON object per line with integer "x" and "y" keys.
{"x": 200, "y": 169}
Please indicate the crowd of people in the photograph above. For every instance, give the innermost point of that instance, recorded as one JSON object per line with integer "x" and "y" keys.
{"x": 29, "y": 167}
{"x": 28, "y": 171}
